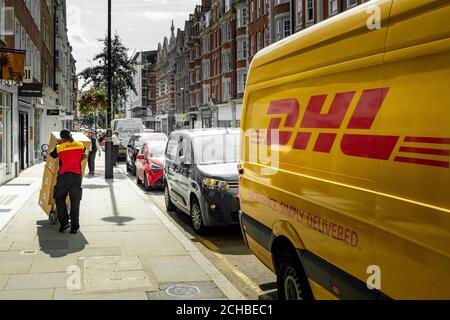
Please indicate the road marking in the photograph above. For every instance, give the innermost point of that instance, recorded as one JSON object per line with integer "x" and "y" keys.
{"x": 210, "y": 245}
{"x": 249, "y": 282}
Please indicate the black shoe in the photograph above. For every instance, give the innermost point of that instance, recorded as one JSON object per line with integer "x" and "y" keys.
{"x": 63, "y": 229}
{"x": 74, "y": 231}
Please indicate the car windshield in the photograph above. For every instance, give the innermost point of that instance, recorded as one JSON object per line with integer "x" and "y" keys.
{"x": 213, "y": 149}
{"x": 149, "y": 137}
{"x": 156, "y": 150}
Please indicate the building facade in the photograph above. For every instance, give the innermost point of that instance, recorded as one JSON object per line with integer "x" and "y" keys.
{"x": 142, "y": 104}
{"x": 207, "y": 62}
{"x": 26, "y": 111}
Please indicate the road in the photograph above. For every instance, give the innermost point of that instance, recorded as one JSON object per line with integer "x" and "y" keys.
{"x": 225, "y": 248}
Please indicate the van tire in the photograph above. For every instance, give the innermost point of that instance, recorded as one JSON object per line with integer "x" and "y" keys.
{"x": 196, "y": 217}
{"x": 169, "y": 204}
{"x": 292, "y": 283}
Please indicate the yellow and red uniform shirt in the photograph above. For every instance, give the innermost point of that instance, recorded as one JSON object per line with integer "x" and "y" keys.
{"x": 70, "y": 156}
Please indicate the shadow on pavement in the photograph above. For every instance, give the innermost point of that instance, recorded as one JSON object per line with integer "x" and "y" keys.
{"x": 57, "y": 244}
{"x": 116, "y": 218}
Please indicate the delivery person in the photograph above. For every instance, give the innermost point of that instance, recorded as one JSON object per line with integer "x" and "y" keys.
{"x": 70, "y": 154}
{"x": 95, "y": 147}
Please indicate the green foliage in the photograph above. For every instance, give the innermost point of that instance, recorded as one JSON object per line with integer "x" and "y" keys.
{"x": 93, "y": 100}
{"x": 123, "y": 70}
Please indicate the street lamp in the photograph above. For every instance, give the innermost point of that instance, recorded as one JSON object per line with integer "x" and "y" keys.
{"x": 109, "y": 172}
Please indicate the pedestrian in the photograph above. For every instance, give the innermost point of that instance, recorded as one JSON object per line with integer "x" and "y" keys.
{"x": 95, "y": 147}
{"x": 70, "y": 153}
{"x": 116, "y": 143}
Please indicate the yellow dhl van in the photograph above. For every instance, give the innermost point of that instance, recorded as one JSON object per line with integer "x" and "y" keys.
{"x": 344, "y": 169}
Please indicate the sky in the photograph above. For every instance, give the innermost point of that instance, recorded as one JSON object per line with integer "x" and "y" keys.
{"x": 140, "y": 23}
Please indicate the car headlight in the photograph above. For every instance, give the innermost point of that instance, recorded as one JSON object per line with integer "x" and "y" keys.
{"x": 214, "y": 184}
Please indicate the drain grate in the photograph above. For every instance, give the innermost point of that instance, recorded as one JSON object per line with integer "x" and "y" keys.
{"x": 19, "y": 183}
{"x": 5, "y": 210}
{"x": 182, "y": 291}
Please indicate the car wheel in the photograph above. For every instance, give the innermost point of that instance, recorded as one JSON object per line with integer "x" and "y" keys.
{"x": 169, "y": 205}
{"x": 196, "y": 218}
{"x": 146, "y": 186}
{"x": 292, "y": 283}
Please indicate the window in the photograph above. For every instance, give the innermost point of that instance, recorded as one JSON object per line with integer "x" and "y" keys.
{"x": 309, "y": 11}
{"x": 266, "y": 37}
{"x": 252, "y": 46}
{"x": 226, "y": 89}
{"x": 258, "y": 8}
{"x": 2, "y": 20}
{"x": 299, "y": 12}
{"x": 206, "y": 94}
{"x": 242, "y": 48}
{"x": 226, "y": 61}
{"x": 252, "y": 11}
{"x": 287, "y": 28}
{"x": 333, "y": 7}
{"x": 266, "y": 6}
{"x": 241, "y": 79}
{"x": 227, "y": 5}
{"x": 242, "y": 17}
{"x": 205, "y": 44}
{"x": 226, "y": 32}
{"x": 351, "y": 3}
{"x": 279, "y": 34}
{"x": 258, "y": 41}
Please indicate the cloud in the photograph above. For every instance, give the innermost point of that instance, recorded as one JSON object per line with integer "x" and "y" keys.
{"x": 163, "y": 16}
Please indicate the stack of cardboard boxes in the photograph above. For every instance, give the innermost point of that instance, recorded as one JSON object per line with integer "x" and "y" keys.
{"x": 46, "y": 201}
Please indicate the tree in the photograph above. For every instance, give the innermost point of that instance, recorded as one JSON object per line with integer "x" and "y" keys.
{"x": 92, "y": 104}
{"x": 123, "y": 70}
{"x": 4, "y": 62}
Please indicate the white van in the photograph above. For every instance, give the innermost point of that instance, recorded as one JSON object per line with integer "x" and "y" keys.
{"x": 126, "y": 128}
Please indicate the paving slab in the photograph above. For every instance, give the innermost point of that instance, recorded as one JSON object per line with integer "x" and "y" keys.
{"x": 13, "y": 262}
{"x": 43, "y": 265}
{"x": 39, "y": 294}
{"x": 66, "y": 294}
{"x": 176, "y": 269}
{"x": 5, "y": 245}
{"x": 3, "y": 281}
{"x": 37, "y": 281}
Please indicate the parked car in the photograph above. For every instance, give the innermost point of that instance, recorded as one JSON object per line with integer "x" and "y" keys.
{"x": 135, "y": 145}
{"x": 201, "y": 176}
{"x": 150, "y": 164}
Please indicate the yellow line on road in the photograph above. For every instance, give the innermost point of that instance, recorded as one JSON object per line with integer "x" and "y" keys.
{"x": 249, "y": 282}
{"x": 210, "y": 245}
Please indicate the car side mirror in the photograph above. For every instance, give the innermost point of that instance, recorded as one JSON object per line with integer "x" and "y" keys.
{"x": 140, "y": 157}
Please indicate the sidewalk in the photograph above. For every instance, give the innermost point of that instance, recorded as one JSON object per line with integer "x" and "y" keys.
{"x": 126, "y": 249}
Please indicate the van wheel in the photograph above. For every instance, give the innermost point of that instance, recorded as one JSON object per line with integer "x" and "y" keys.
{"x": 169, "y": 204}
{"x": 196, "y": 218}
{"x": 292, "y": 283}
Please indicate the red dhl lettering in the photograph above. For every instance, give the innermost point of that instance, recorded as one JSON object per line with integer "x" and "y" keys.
{"x": 380, "y": 147}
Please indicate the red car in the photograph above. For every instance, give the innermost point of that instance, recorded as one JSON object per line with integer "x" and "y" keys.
{"x": 150, "y": 164}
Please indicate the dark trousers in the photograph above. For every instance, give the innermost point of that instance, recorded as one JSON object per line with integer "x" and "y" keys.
{"x": 68, "y": 184}
{"x": 115, "y": 154}
{"x": 91, "y": 161}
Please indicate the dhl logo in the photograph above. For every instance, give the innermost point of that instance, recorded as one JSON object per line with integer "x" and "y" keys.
{"x": 370, "y": 146}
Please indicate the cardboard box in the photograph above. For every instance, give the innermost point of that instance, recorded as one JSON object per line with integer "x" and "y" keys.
{"x": 50, "y": 174}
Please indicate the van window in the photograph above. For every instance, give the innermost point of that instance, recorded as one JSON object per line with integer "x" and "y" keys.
{"x": 220, "y": 148}
{"x": 172, "y": 147}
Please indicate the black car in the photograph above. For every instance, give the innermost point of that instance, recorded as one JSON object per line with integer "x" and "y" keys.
{"x": 135, "y": 144}
{"x": 201, "y": 176}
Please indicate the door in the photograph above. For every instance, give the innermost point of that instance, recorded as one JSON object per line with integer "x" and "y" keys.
{"x": 23, "y": 141}
{"x": 170, "y": 166}
{"x": 177, "y": 189}
{"x": 185, "y": 169}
